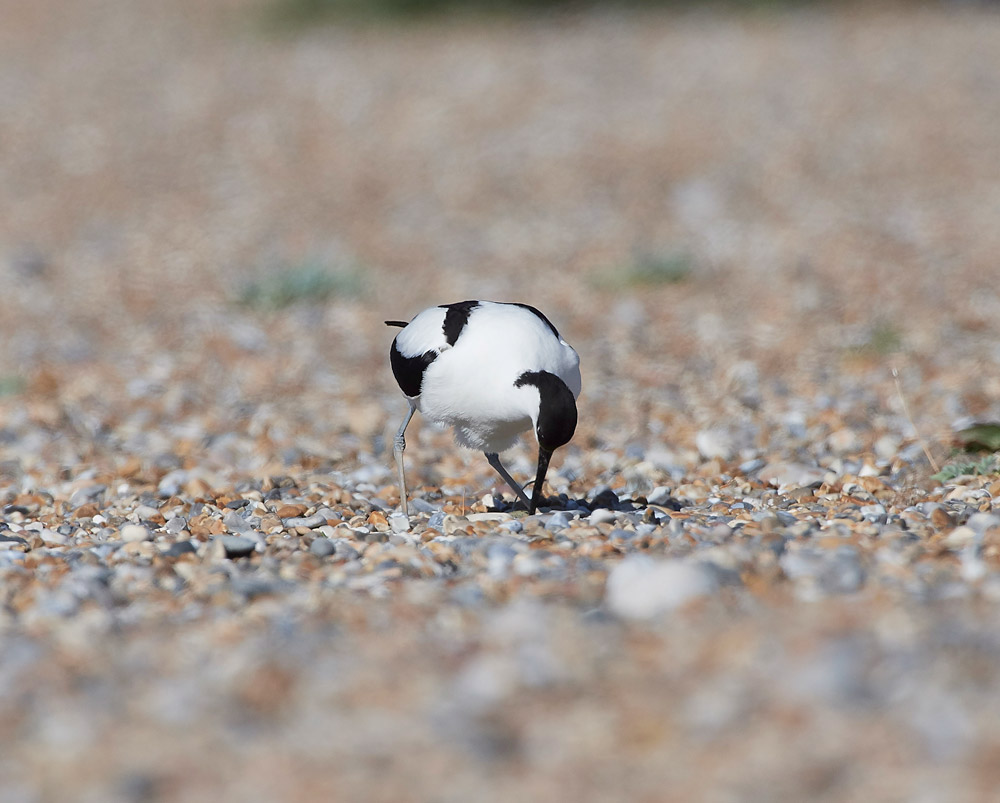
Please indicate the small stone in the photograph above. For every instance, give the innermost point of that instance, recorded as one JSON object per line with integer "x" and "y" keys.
{"x": 941, "y": 518}
{"x": 135, "y": 532}
{"x": 642, "y": 588}
{"x": 291, "y": 511}
{"x": 605, "y": 499}
{"x": 959, "y": 537}
{"x": 235, "y": 523}
{"x": 660, "y": 495}
{"x": 602, "y": 516}
{"x": 52, "y": 538}
{"x": 13, "y": 542}
{"x": 875, "y": 513}
{"x": 309, "y": 522}
{"x": 792, "y": 475}
{"x": 236, "y": 546}
{"x": 453, "y": 524}
{"x": 179, "y": 548}
{"x": 488, "y": 516}
{"x": 323, "y": 547}
{"x": 399, "y": 523}
{"x": 146, "y": 512}
{"x": 420, "y": 505}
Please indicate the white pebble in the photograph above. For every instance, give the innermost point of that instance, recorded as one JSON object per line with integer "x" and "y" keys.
{"x": 641, "y": 588}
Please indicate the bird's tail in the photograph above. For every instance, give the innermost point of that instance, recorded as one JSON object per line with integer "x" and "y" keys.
{"x": 400, "y": 324}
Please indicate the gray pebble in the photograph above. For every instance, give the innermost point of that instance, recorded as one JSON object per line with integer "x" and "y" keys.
{"x": 180, "y": 548}
{"x": 82, "y": 496}
{"x": 323, "y": 547}
{"x": 659, "y": 495}
{"x": 237, "y": 546}
{"x": 420, "y": 505}
{"x": 345, "y": 549}
{"x": 173, "y": 483}
{"x": 874, "y": 513}
{"x": 235, "y": 523}
{"x": 145, "y": 512}
{"x": 315, "y": 520}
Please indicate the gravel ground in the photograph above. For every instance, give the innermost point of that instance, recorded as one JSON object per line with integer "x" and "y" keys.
{"x": 747, "y": 584}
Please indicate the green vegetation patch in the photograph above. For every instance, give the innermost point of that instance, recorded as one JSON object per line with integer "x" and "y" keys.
{"x": 302, "y": 13}
{"x": 958, "y": 468}
{"x": 310, "y": 282}
{"x": 11, "y": 385}
{"x": 647, "y": 270}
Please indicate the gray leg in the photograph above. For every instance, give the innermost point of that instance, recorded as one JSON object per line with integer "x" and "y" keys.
{"x": 494, "y": 460}
{"x": 398, "y": 445}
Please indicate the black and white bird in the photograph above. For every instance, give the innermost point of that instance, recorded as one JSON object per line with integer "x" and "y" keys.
{"x": 491, "y": 370}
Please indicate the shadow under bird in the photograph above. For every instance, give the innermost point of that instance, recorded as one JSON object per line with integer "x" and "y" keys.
{"x": 491, "y": 370}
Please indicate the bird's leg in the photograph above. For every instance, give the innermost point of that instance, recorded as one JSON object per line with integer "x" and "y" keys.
{"x": 494, "y": 460}
{"x": 398, "y": 445}
{"x": 544, "y": 455}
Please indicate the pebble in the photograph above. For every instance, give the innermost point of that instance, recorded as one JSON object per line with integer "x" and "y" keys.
{"x": 309, "y": 522}
{"x": 135, "y": 532}
{"x": 421, "y": 505}
{"x": 602, "y": 516}
{"x": 558, "y": 521}
{"x": 660, "y": 495}
{"x": 791, "y": 475}
{"x": 236, "y": 546}
{"x": 179, "y": 548}
{"x": 642, "y": 588}
{"x": 323, "y": 547}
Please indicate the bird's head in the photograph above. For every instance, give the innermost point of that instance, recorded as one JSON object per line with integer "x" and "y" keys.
{"x": 555, "y": 421}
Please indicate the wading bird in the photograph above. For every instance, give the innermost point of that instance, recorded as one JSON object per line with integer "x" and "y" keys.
{"x": 491, "y": 371}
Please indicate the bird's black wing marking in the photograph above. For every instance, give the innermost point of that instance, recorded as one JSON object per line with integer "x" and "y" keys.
{"x": 455, "y": 319}
{"x": 400, "y": 324}
{"x": 537, "y": 313}
{"x": 409, "y": 371}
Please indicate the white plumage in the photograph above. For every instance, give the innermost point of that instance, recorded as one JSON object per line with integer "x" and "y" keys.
{"x": 491, "y": 371}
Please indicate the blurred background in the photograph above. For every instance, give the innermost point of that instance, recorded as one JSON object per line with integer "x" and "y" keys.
{"x": 746, "y": 216}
